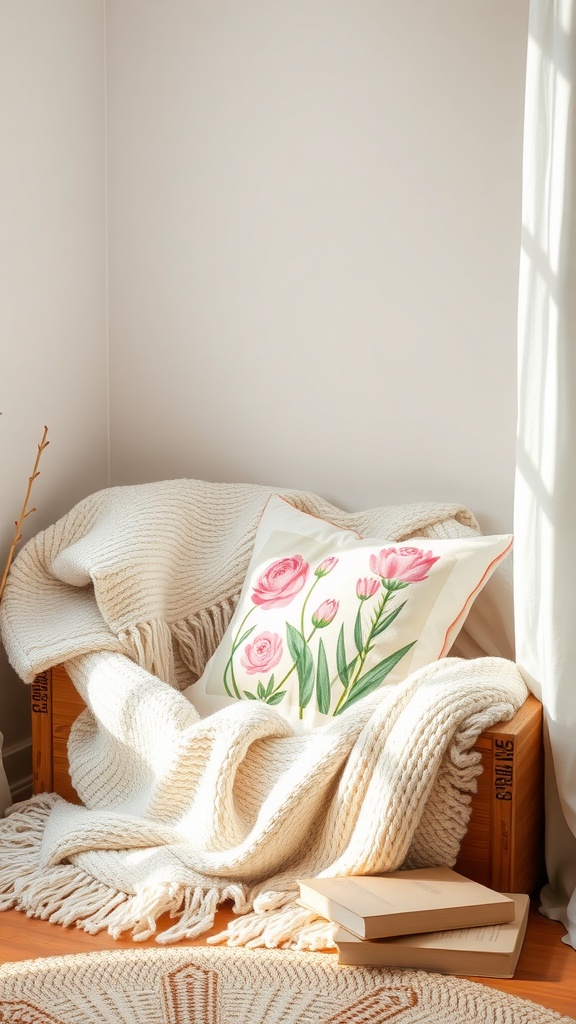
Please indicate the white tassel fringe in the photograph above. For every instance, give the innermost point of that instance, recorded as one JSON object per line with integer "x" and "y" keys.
{"x": 66, "y": 895}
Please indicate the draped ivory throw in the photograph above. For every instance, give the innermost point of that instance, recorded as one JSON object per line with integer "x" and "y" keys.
{"x": 132, "y": 591}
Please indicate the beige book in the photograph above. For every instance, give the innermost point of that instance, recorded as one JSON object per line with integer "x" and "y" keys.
{"x": 405, "y": 902}
{"x": 488, "y": 952}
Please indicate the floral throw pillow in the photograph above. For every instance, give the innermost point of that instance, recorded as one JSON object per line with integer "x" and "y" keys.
{"x": 325, "y": 617}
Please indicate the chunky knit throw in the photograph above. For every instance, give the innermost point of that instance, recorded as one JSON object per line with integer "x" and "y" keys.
{"x": 132, "y": 591}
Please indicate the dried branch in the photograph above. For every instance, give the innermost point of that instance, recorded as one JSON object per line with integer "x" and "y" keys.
{"x": 25, "y": 510}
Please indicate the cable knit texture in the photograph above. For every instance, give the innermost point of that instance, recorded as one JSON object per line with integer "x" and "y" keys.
{"x": 133, "y": 590}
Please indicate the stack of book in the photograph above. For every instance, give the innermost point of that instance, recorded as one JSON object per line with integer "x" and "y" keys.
{"x": 428, "y": 919}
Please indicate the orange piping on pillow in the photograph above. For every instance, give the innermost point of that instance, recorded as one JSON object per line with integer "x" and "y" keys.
{"x": 469, "y": 600}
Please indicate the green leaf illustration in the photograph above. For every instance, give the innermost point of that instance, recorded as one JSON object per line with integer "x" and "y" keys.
{"x": 341, "y": 664}
{"x": 358, "y": 629}
{"x": 243, "y": 637}
{"x": 276, "y": 698}
{"x": 251, "y": 696}
{"x": 388, "y": 620}
{"x": 261, "y": 691}
{"x": 323, "y": 692}
{"x": 345, "y": 669}
{"x": 371, "y": 680}
{"x": 302, "y": 657}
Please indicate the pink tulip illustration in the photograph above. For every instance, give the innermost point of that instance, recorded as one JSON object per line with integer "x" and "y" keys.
{"x": 397, "y": 568}
{"x": 326, "y": 566}
{"x": 262, "y": 654}
{"x": 325, "y": 613}
{"x": 403, "y": 564}
{"x": 279, "y": 584}
{"x": 366, "y": 588}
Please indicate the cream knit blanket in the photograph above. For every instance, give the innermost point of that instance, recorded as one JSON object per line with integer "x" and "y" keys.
{"x": 133, "y": 590}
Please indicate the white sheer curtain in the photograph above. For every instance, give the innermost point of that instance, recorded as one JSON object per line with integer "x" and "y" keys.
{"x": 545, "y": 502}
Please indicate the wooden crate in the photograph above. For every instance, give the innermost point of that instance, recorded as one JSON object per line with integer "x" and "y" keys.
{"x": 56, "y": 705}
{"x": 503, "y": 847}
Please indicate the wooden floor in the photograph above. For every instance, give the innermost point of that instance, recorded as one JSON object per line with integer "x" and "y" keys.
{"x": 546, "y": 971}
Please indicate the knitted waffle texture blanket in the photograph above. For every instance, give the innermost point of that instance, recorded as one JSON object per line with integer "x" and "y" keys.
{"x": 132, "y": 590}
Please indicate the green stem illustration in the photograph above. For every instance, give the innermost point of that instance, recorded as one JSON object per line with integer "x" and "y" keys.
{"x": 239, "y": 639}
{"x": 306, "y": 599}
{"x": 293, "y": 665}
{"x": 363, "y": 654}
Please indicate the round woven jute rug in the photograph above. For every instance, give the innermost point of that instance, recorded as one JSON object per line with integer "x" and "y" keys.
{"x": 242, "y": 986}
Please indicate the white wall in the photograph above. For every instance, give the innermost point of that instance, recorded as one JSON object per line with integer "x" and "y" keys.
{"x": 314, "y": 216}
{"x": 52, "y": 280}
{"x": 313, "y": 224}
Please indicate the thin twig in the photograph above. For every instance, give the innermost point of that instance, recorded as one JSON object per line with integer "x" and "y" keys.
{"x": 25, "y": 510}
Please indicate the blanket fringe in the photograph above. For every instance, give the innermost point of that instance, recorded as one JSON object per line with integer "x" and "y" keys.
{"x": 195, "y": 917}
{"x": 20, "y": 840}
{"x": 149, "y": 644}
{"x": 137, "y": 914}
{"x": 64, "y": 894}
{"x": 289, "y": 927}
{"x": 198, "y": 635}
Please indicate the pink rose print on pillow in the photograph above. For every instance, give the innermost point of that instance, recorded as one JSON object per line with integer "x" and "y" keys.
{"x": 317, "y": 666}
{"x": 406, "y": 565}
{"x": 262, "y": 654}
{"x": 279, "y": 584}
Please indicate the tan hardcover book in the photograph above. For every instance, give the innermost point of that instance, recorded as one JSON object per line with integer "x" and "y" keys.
{"x": 405, "y": 902}
{"x": 488, "y": 952}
